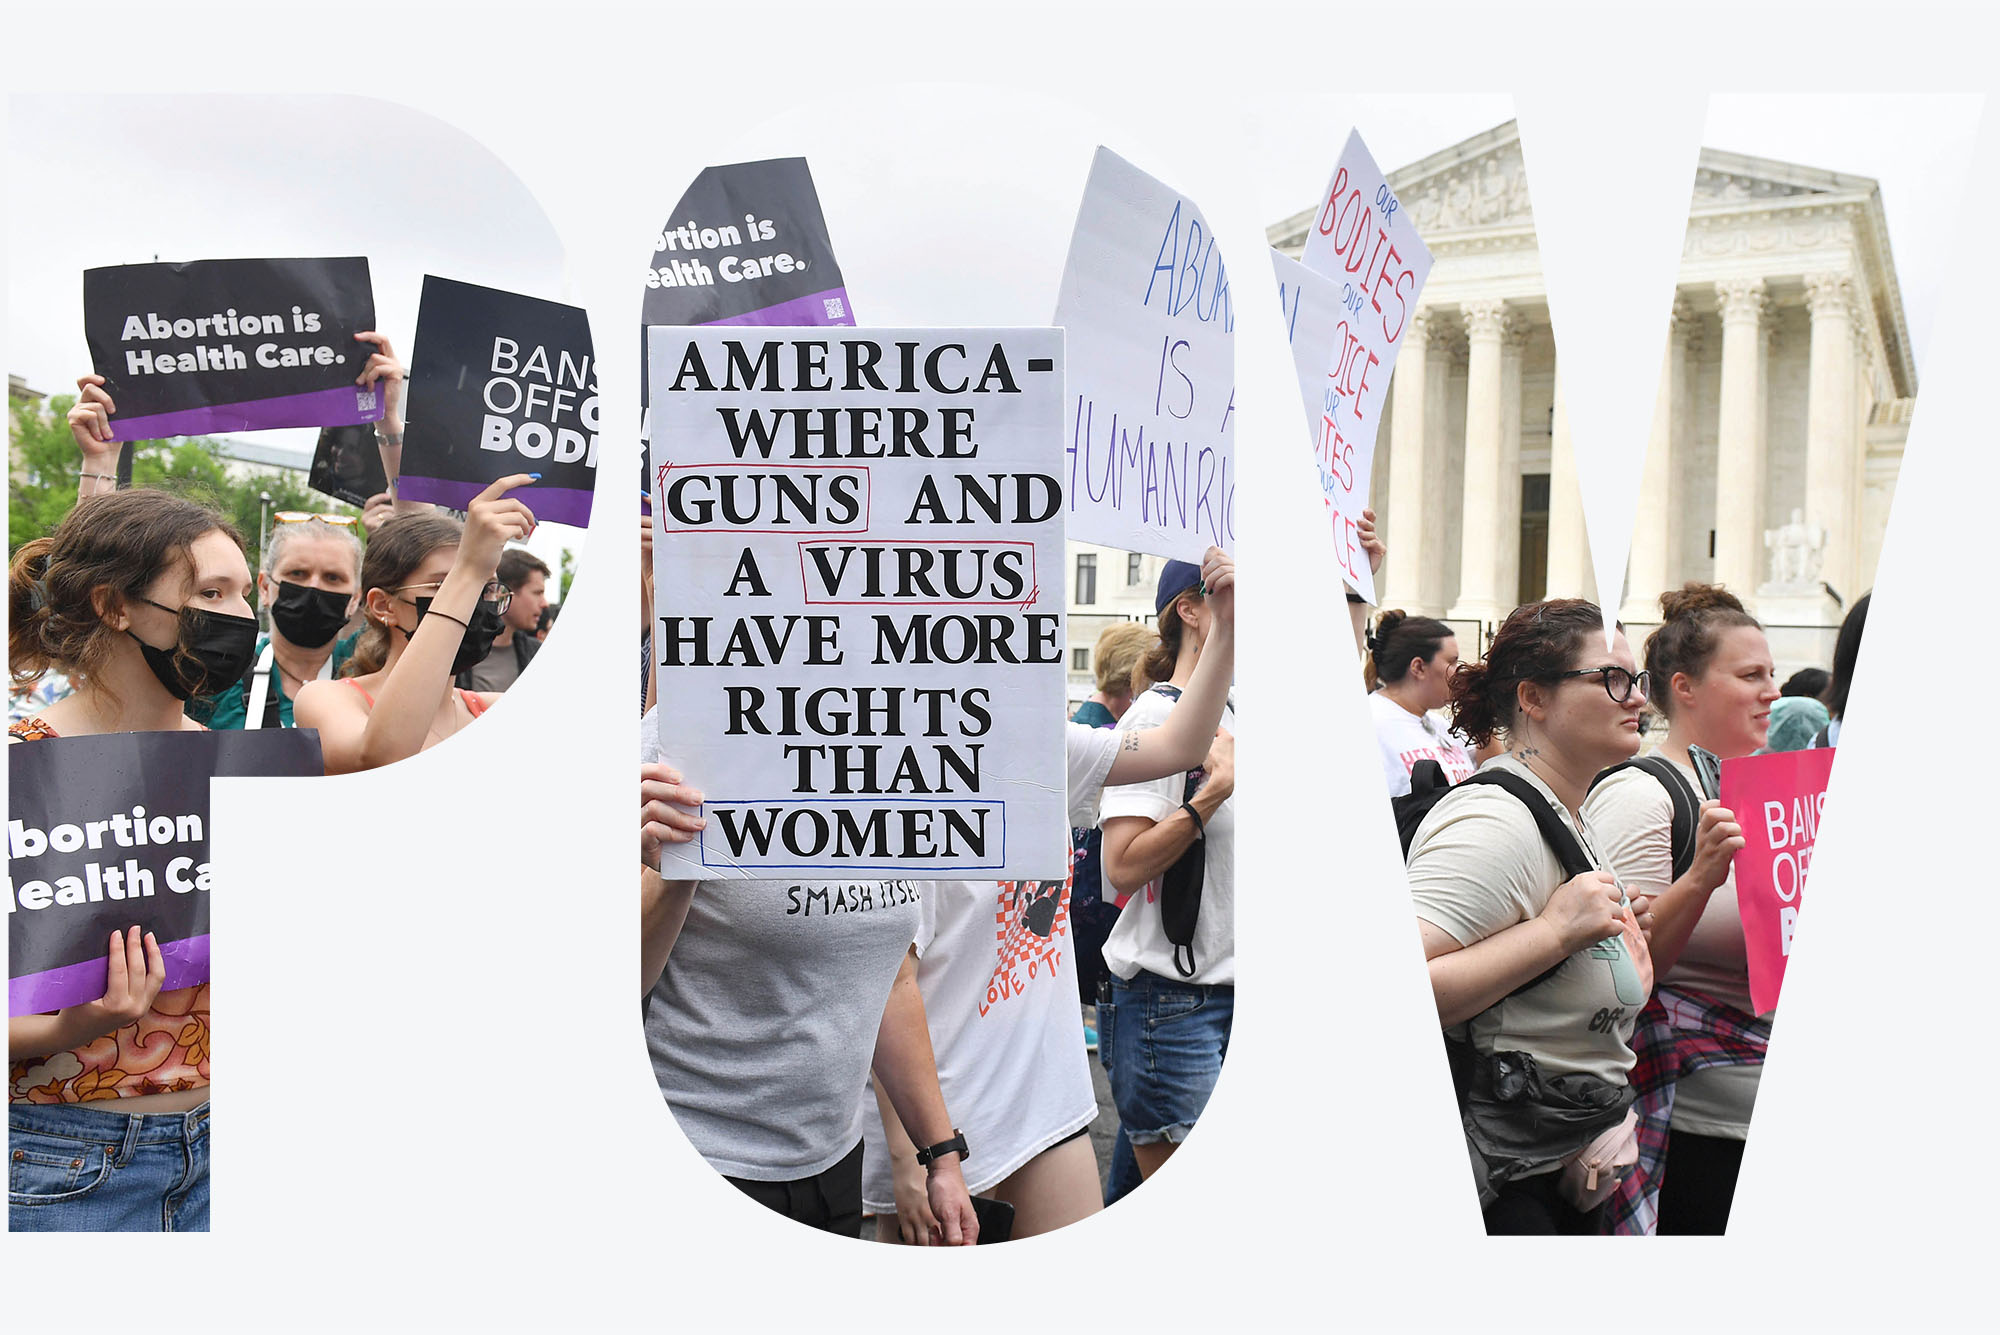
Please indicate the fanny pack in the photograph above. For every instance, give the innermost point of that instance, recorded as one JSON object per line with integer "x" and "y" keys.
{"x": 1593, "y": 1173}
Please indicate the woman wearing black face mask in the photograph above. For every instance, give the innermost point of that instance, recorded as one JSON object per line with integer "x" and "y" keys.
{"x": 142, "y": 599}
{"x": 310, "y": 583}
{"x": 433, "y": 609}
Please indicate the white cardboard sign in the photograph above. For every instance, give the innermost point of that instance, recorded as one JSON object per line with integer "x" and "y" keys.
{"x": 858, "y": 555}
{"x": 1365, "y": 246}
{"x": 1150, "y": 461}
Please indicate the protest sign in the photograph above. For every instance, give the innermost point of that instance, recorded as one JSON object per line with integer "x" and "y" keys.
{"x": 858, "y": 540}
{"x": 1150, "y": 464}
{"x": 109, "y": 831}
{"x": 1777, "y": 800}
{"x": 231, "y": 345}
{"x": 747, "y": 244}
{"x": 1366, "y": 247}
{"x": 347, "y": 465}
{"x": 500, "y": 384}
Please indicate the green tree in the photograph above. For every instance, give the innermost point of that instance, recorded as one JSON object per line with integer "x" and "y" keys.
{"x": 567, "y": 574}
{"x": 42, "y": 484}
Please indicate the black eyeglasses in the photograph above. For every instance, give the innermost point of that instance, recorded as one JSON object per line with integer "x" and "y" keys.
{"x": 1618, "y": 683}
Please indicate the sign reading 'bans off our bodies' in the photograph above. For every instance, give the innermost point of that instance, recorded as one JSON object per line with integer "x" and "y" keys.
{"x": 859, "y": 552}
{"x": 500, "y": 384}
{"x": 1367, "y": 251}
{"x": 110, "y": 831}
{"x": 231, "y": 345}
{"x": 1776, "y": 800}
{"x": 1150, "y": 460}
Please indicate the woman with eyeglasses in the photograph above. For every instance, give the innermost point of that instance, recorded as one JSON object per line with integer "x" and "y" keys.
{"x": 1537, "y": 958}
{"x": 1701, "y": 1044}
{"x": 433, "y": 608}
{"x": 142, "y": 598}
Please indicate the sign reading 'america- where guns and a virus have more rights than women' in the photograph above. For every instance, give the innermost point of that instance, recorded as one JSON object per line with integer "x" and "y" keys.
{"x": 862, "y": 536}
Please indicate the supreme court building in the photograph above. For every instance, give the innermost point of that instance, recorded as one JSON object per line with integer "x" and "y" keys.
{"x": 1785, "y": 397}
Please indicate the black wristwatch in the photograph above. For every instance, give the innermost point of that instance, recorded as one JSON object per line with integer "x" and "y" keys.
{"x": 955, "y": 1145}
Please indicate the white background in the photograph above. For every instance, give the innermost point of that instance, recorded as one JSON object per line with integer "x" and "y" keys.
{"x": 435, "y": 1106}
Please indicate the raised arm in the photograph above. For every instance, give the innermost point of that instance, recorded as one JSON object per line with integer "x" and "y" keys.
{"x": 1179, "y": 743}
{"x": 1137, "y": 850}
{"x": 90, "y": 427}
{"x": 383, "y": 370}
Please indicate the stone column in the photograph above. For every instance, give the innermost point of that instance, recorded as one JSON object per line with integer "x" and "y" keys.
{"x": 1831, "y": 465}
{"x": 1739, "y": 441}
{"x": 1569, "y": 547}
{"x": 1513, "y": 346}
{"x": 1479, "y": 526}
{"x": 1427, "y": 599}
{"x": 1653, "y": 528}
{"x": 1409, "y": 464}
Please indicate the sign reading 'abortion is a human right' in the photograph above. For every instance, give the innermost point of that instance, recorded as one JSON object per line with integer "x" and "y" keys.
{"x": 862, "y": 534}
{"x": 1150, "y": 464}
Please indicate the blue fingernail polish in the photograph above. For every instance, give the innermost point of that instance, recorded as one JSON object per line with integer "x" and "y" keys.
{"x": 534, "y": 477}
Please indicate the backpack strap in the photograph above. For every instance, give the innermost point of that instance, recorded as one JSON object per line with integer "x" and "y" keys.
{"x": 1686, "y": 811}
{"x": 1559, "y": 837}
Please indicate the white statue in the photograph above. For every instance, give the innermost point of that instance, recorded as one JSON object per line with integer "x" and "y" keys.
{"x": 1796, "y": 549}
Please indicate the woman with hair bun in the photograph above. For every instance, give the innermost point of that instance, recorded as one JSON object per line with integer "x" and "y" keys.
{"x": 1701, "y": 1043}
{"x": 142, "y": 599}
{"x": 1410, "y": 663}
{"x": 1537, "y": 957}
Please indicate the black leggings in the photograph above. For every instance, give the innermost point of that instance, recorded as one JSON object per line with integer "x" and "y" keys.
{"x": 830, "y": 1200}
{"x": 1699, "y": 1185}
{"x": 1531, "y": 1206}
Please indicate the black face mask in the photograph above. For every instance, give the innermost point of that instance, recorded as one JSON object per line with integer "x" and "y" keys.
{"x": 477, "y": 642}
{"x": 213, "y": 650}
{"x": 309, "y": 617}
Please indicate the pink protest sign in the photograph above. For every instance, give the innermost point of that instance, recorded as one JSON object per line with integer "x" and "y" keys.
{"x": 1777, "y": 801}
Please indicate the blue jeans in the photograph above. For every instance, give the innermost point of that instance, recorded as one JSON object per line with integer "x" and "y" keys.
{"x": 1162, "y": 1044}
{"x": 81, "y": 1168}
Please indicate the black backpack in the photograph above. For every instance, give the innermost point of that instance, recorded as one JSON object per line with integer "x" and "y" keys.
{"x": 1428, "y": 787}
{"x": 1686, "y": 813}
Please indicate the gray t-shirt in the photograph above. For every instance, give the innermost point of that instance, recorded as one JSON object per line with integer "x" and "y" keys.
{"x": 762, "y": 1026}
{"x": 497, "y": 671}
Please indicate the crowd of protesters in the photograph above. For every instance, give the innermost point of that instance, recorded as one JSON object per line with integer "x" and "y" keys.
{"x": 135, "y": 614}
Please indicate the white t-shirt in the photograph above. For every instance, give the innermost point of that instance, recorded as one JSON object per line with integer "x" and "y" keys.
{"x": 1138, "y": 941}
{"x": 1477, "y": 866}
{"x": 1633, "y": 815}
{"x": 998, "y": 974}
{"x": 1090, "y": 751}
{"x": 1406, "y": 738}
{"x": 762, "y": 1026}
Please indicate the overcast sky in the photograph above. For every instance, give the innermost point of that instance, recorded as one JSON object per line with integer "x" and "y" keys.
{"x": 127, "y": 179}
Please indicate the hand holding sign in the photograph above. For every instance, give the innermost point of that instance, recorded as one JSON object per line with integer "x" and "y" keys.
{"x": 1377, "y": 550}
{"x": 134, "y": 974}
{"x": 1218, "y": 577}
{"x": 492, "y": 520}
{"x": 383, "y": 367}
{"x": 1715, "y": 844}
{"x": 669, "y": 811}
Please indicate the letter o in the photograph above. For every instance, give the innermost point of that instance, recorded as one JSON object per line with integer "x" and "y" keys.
{"x": 161, "y": 829}
{"x": 493, "y": 407}
{"x": 533, "y": 440}
{"x": 66, "y": 838}
{"x": 184, "y": 329}
{"x": 1786, "y": 887}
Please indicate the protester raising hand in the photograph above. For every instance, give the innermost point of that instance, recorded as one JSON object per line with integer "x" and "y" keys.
{"x": 384, "y": 371}
{"x": 90, "y": 425}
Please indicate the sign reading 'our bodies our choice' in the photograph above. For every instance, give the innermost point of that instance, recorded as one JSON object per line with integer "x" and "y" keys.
{"x": 231, "y": 345}
{"x": 500, "y": 384}
{"x": 859, "y": 551}
{"x": 111, "y": 831}
{"x": 1367, "y": 250}
{"x": 1150, "y": 463}
{"x": 1776, "y": 800}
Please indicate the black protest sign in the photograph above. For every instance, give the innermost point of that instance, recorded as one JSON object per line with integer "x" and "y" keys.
{"x": 231, "y": 345}
{"x": 110, "y": 831}
{"x": 347, "y": 465}
{"x": 500, "y": 384}
{"x": 863, "y": 534}
{"x": 747, "y": 244}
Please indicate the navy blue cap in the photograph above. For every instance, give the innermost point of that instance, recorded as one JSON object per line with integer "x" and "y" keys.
{"x": 1176, "y": 578}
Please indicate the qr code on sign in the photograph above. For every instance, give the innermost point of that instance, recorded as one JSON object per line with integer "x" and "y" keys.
{"x": 364, "y": 400}
{"x": 836, "y": 309}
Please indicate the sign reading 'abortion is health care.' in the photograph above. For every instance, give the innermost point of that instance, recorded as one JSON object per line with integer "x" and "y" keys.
{"x": 1777, "y": 800}
{"x": 231, "y": 345}
{"x": 1367, "y": 248}
{"x": 500, "y": 384}
{"x": 1150, "y": 464}
{"x": 858, "y": 536}
{"x": 110, "y": 831}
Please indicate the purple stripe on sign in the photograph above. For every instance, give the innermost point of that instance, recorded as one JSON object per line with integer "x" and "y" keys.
{"x": 823, "y": 308}
{"x": 74, "y": 984}
{"x": 556, "y": 505}
{"x": 344, "y": 405}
